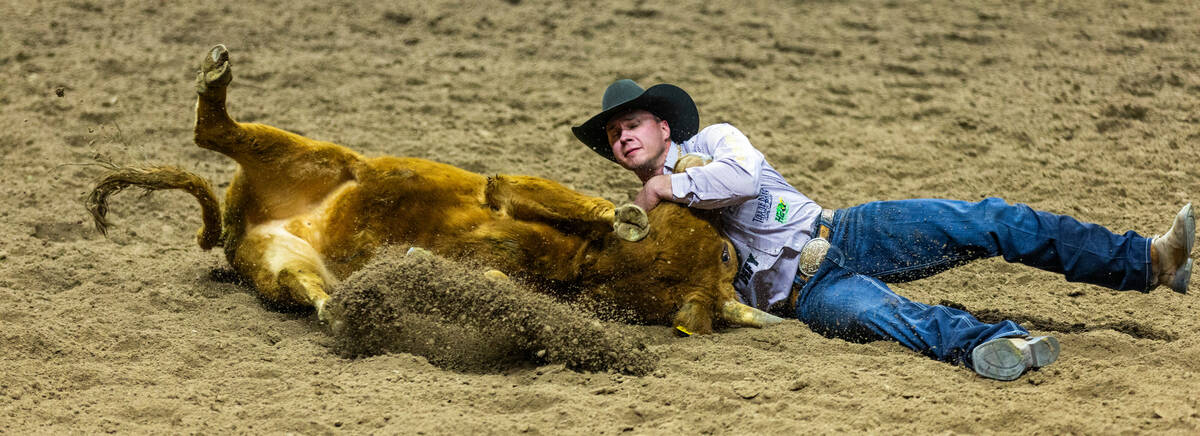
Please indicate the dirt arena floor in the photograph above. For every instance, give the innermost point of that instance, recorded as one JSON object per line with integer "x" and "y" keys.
{"x": 1088, "y": 109}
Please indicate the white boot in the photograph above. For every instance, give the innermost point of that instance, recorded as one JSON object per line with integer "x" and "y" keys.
{"x": 1174, "y": 266}
{"x": 1007, "y": 358}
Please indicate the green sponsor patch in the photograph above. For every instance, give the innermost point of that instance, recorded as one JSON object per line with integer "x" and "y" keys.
{"x": 781, "y": 211}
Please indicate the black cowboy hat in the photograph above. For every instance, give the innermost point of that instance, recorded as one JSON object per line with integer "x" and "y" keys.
{"x": 668, "y": 102}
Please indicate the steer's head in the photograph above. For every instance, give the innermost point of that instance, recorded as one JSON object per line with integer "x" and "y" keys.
{"x": 681, "y": 273}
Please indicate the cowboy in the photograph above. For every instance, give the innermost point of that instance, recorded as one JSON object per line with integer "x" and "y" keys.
{"x": 830, "y": 268}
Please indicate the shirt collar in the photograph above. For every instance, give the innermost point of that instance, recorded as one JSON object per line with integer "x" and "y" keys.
{"x": 672, "y": 158}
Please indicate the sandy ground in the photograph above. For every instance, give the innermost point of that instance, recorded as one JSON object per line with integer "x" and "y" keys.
{"x": 1087, "y": 109}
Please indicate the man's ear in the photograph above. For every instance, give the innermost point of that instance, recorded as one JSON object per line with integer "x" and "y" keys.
{"x": 666, "y": 130}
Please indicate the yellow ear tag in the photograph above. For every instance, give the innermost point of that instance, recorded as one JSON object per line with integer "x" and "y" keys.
{"x": 683, "y": 330}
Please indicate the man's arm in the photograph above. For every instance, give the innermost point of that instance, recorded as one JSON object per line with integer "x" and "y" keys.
{"x": 730, "y": 179}
{"x": 655, "y": 191}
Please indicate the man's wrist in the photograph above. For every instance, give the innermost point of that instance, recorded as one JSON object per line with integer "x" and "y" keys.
{"x": 663, "y": 188}
{"x": 679, "y": 185}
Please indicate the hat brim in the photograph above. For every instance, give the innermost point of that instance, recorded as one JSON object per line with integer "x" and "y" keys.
{"x": 668, "y": 102}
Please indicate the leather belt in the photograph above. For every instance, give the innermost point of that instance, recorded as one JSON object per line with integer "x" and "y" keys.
{"x": 812, "y": 254}
{"x": 823, "y": 230}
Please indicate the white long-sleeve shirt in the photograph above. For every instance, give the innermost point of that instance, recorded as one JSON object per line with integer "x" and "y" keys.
{"x": 767, "y": 219}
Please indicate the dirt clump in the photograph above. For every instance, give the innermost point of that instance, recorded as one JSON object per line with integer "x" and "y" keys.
{"x": 456, "y": 317}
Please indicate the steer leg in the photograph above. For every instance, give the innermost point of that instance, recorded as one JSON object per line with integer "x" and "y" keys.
{"x": 286, "y": 270}
{"x": 250, "y": 144}
{"x": 281, "y": 172}
{"x": 537, "y": 199}
{"x": 301, "y": 284}
{"x": 215, "y": 129}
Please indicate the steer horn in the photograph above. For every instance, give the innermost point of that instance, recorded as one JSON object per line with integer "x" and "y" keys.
{"x": 741, "y": 314}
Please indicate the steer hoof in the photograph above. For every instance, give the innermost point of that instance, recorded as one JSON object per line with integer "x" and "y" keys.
{"x": 495, "y": 275}
{"x": 417, "y": 251}
{"x": 631, "y": 223}
{"x": 214, "y": 70}
{"x": 330, "y": 316}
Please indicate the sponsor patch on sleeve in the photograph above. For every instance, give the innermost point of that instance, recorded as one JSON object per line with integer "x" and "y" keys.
{"x": 781, "y": 211}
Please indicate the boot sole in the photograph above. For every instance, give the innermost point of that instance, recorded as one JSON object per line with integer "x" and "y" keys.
{"x": 1183, "y": 276}
{"x": 1189, "y": 226}
{"x": 1000, "y": 359}
{"x": 1044, "y": 350}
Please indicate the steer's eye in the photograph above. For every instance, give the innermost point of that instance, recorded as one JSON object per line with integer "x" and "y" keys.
{"x": 725, "y": 254}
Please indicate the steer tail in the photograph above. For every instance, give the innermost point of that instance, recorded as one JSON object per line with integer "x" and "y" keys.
{"x": 740, "y": 314}
{"x": 153, "y": 179}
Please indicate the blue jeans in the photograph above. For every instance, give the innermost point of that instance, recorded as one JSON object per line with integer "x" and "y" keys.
{"x": 897, "y": 241}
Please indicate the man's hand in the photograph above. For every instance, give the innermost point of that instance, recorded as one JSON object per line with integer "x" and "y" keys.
{"x": 654, "y": 191}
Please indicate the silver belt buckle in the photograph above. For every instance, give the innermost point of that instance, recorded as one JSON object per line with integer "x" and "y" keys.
{"x": 812, "y": 254}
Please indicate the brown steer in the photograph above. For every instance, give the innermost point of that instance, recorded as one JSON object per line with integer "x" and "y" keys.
{"x": 302, "y": 214}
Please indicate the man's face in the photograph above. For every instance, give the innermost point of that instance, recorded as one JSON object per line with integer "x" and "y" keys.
{"x": 639, "y": 140}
